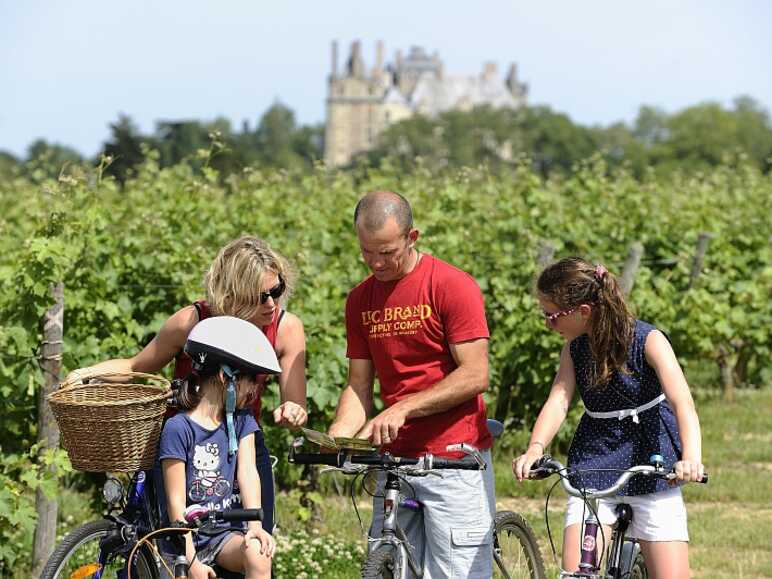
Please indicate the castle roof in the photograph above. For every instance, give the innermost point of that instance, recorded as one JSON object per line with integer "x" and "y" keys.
{"x": 433, "y": 95}
{"x": 394, "y": 97}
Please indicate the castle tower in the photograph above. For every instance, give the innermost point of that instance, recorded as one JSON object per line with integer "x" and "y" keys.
{"x": 351, "y": 106}
{"x": 361, "y": 104}
{"x": 518, "y": 90}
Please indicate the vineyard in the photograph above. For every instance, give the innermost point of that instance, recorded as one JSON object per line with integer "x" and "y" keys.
{"x": 129, "y": 255}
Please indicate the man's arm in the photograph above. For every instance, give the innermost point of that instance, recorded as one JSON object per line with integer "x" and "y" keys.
{"x": 469, "y": 379}
{"x": 356, "y": 401}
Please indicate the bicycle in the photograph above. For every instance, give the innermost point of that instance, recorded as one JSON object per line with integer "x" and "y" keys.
{"x": 125, "y": 542}
{"x": 624, "y": 559}
{"x": 515, "y": 549}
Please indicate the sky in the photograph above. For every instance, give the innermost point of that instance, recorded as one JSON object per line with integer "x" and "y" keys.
{"x": 69, "y": 68}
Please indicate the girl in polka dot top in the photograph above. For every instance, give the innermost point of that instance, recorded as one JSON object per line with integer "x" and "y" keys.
{"x": 637, "y": 403}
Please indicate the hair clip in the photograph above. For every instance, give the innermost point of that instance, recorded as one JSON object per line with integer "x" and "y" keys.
{"x": 600, "y": 272}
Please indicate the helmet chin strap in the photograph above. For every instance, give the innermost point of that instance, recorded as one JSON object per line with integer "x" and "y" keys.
{"x": 230, "y": 408}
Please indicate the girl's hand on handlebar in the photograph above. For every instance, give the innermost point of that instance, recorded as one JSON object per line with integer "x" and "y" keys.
{"x": 688, "y": 471}
{"x": 521, "y": 466}
{"x": 267, "y": 544}
{"x": 290, "y": 414}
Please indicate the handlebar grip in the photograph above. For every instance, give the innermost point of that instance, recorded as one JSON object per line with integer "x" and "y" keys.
{"x": 704, "y": 479}
{"x": 542, "y": 468}
{"x": 539, "y": 473}
{"x": 455, "y": 463}
{"x": 316, "y": 458}
{"x": 238, "y": 515}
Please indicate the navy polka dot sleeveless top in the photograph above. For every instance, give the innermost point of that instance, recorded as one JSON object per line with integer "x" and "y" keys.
{"x": 610, "y": 443}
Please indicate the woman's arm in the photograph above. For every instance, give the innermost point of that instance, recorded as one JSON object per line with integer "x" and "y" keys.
{"x": 552, "y": 415}
{"x": 249, "y": 486}
{"x": 162, "y": 349}
{"x": 291, "y": 351}
{"x": 660, "y": 356}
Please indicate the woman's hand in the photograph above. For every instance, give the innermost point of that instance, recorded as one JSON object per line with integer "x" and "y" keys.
{"x": 265, "y": 541}
{"x": 521, "y": 466}
{"x": 290, "y": 414}
{"x": 77, "y": 376}
{"x": 200, "y": 571}
{"x": 688, "y": 471}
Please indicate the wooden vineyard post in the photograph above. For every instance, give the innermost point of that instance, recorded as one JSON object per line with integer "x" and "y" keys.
{"x": 630, "y": 268}
{"x": 48, "y": 430}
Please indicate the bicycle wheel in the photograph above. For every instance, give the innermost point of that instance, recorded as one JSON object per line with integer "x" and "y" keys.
{"x": 381, "y": 563}
{"x": 77, "y": 556}
{"x": 515, "y": 550}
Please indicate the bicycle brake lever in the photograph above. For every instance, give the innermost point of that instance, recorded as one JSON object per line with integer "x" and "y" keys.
{"x": 327, "y": 469}
{"x": 468, "y": 450}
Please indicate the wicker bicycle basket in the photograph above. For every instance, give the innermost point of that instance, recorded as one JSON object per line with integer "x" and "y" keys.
{"x": 111, "y": 426}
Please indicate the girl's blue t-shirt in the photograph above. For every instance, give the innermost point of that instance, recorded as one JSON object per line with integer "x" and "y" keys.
{"x": 210, "y": 473}
{"x": 613, "y": 444}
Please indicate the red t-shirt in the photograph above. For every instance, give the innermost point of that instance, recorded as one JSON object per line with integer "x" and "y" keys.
{"x": 405, "y": 328}
{"x": 183, "y": 364}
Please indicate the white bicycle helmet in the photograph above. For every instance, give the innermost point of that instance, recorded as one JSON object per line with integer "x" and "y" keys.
{"x": 232, "y": 341}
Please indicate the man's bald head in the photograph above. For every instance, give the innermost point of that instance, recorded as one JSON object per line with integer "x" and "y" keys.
{"x": 375, "y": 208}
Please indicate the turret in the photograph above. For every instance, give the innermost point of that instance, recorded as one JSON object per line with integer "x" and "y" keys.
{"x": 334, "y": 55}
{"x": 356, "y": 66}
{"x": 516, "y": 88}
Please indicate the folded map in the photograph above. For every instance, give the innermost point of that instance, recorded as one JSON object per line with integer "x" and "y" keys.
{"x": 337, "y": 442}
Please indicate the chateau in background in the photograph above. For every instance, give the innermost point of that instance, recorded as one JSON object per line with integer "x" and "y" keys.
{"x": 362, "y": 103}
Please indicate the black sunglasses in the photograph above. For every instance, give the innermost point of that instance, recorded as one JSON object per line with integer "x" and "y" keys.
{"x": 275, "y": 292}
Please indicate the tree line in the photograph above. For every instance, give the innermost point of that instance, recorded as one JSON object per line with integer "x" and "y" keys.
{"x": 695, "y": 138}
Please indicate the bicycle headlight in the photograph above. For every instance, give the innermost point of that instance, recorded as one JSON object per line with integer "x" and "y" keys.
{"x": 112, "y": 491}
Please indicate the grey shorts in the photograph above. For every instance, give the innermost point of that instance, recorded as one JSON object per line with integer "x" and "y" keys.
{"x": 453, "y": 534}
{"x": 208, "y": 553}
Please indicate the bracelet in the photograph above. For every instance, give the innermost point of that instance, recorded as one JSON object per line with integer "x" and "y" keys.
{"x": 530, "y": 444}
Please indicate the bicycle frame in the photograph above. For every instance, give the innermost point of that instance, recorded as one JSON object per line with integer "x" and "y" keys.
{"x": 620, "y": 557}
{"x": 391, "y": 532}
{"x": 138, "y": 517}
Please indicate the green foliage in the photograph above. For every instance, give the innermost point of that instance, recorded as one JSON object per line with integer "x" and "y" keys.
{"x": 496, "y": 137}
{"x": 21, "y": 475}
{"x": 131, "y": 255}
{"x": 695, "y": 138}
{"x": 205, "y": 146}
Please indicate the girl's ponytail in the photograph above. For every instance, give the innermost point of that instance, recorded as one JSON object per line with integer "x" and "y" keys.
{"x": 189, "y": 394}
{"x": 612, "y": 327}
{"x": 572, "y": 282}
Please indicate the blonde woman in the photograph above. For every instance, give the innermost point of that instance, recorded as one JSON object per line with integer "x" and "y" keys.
{"x": 247, "y": 280}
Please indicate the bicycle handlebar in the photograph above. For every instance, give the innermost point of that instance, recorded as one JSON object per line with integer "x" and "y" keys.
{"x": 547, "y": 466}
{"x": 196, "y": 515}
{"x": 386, "y": 460}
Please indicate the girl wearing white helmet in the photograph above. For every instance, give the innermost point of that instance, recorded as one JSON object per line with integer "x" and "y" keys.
{"x": 250, "y": 281}
{"x": 207, "y": 452}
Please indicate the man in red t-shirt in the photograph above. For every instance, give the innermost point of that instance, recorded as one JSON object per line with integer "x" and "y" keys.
{"x": 418, "y": 324}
